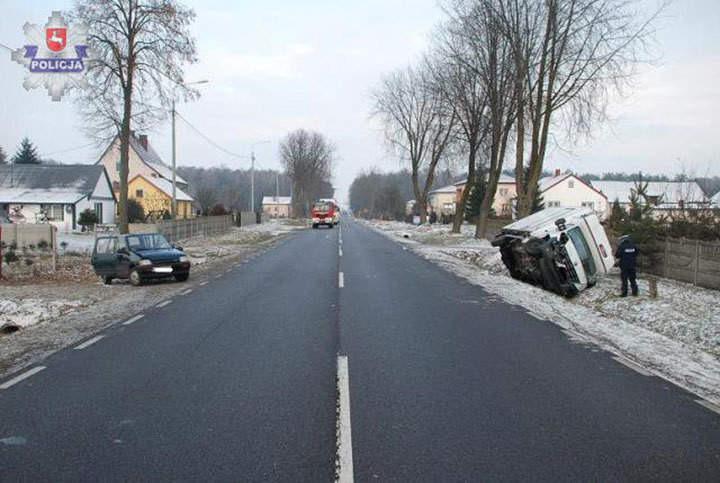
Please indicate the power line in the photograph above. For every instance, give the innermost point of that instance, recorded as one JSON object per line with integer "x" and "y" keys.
{"x": 6, "y": 47}
{"x": 76, "y": 148}
{"x": 206, "y": 138}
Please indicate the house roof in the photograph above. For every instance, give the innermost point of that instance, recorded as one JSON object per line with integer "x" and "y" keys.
{"x": 61, "y": 183}
{"x": 671, "y": 192}
{"x": 165, "y": 186}
{"x": 504, "y": 179}
{"x": 148, "y": 156}
{"x": 274, "y": 200}
{"x": 445, "y": 189}
{"x": 548, "y": 182}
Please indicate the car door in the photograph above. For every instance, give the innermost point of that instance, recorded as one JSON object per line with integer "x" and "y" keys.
{"x": 122, "y": 258}
{"x": 103, "y": 257}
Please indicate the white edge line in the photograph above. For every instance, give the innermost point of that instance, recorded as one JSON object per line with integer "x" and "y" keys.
{"x": 186, "y": 291}
{"x": 163, "y": 304}
{"x": 203, "y": 283}
{"x": 631, "y": 365}
{"x": 708, "y": 405}
{"x": 88, "y": 343}
{"x": 134, "y": 319}
{"x": 344, "y": 444}
{"x": 341, "y": 280}
{"x": 21, "y": 377}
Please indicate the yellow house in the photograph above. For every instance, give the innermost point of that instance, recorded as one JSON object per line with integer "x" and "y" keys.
{"x": 155, "y": 196}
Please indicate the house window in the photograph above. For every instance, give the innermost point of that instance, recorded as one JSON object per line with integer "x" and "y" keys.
{"x": 99, "y": 213}
{"x": 571, "y": 184}
{"x": 503, "y": 192}
{"x": 53, "y": 212}
{"x": 588, "y": 204}
{"x": 138, "y": 193}
{"x": 448, "y": 207}
{"x": 553, "y": 204}
{"x": 506, "y": 208}
{"x": 116, "y": 186}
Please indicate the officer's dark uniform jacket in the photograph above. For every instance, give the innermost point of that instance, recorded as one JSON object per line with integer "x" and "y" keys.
{"x": 627, "y": 255}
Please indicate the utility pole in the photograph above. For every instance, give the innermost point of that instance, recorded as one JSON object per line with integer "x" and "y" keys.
{"x": 173, "y": 205}
{"x": 252, "y": 180}
{"x": 252, "y": 174}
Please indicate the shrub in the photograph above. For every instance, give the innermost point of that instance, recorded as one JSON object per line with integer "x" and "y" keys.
{"x": 433, "y": 217}
{"x": 218, "y": 210}
{"x": 64, "y": 245}
{"x": 43, "y": 245}
{"x": 88, "y": 218}
{"x": 28, "y": 261}
{"x": 10, "y": 257}
{"x": 136, "y": 212}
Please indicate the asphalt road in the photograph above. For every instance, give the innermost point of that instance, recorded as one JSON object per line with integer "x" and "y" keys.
{"x": 236, "y": 381}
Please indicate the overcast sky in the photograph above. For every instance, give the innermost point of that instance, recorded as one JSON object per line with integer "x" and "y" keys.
{"x": 278, "y": 65}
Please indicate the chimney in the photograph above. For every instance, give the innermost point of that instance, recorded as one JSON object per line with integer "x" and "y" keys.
{"x": 143, "y": 141}
{"x": 556, "y": 171}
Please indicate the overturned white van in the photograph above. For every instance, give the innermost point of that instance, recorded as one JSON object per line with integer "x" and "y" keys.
{"x": 564, "y": 250}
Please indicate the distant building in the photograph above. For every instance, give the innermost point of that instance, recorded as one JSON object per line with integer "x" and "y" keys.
{"x": 29, "y": 193}
{"x": 277, "y": 207}
{"x": 155, "y": 196}
{"x": 666, "y": 197}
{"x": 442, "y": 200}
{"x": 504, "y": 194}
{"x": 569, "y": 191}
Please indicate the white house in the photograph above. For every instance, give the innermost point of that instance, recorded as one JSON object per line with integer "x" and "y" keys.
{"x": 567, "y": 190}
{"x": 61, "y": 192}
{"x": 715, "y": 200}
{"x": 442, "y": 200}
{"x": 665, "y": 196}
{"x": 504, "y": 194}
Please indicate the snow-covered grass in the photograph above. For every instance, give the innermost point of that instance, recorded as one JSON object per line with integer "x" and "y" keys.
{"x": 15, "y": 314}
{"x": 75, "y": 242}
{"x": 676, "y": 335}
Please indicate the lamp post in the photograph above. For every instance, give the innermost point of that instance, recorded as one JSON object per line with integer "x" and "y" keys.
{"x": 252, "y": 173}
{"x": 173, "y": 206}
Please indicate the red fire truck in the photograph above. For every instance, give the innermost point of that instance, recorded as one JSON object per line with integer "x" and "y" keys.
{"x": 323, "y": 213}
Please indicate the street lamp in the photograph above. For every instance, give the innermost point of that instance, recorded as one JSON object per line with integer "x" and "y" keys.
{"x": 173, "y": 206}
{"x": 252, "y": 173}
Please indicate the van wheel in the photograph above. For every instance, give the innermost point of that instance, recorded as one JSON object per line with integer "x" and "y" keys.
{"x": 331, "y": 225}
{"x": 534, "y": 247}
{"x": 107, "y": 279}
{"x": 135, "y": 277}
{"x": 315, "y": 226}
{"x": 182, "y": 277}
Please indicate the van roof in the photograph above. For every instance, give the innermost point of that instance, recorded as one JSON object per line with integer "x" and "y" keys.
{"x": 547, "y": 216}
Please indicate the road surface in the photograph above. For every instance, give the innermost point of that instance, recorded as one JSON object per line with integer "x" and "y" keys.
{"x": 236, "y": 380}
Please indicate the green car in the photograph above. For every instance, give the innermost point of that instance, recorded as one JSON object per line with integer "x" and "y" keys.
{"x": 140, "y": 258}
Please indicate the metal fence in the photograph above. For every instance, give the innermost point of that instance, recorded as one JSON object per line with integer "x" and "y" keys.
{"x": 187, "y": 228}
{"x": 691, "y": 261}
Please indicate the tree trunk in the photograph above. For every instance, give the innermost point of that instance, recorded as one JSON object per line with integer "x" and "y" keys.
{"x": 419, "y": 197}
{"x": 460, "y": 205}
{"x": 124, "y": 157}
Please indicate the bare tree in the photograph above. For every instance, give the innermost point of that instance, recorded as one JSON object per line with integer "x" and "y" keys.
{"x": 455, "y": 71}
{"x": 308, "y": 158}
{"x": 206, "y": 196}
{"x": 141, "y": 48}
{"x": 417, "y": 123}
{"x": 570, "y": 56}
{"x": 488, "y": 56}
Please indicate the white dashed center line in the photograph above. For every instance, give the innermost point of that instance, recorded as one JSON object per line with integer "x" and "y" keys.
{"x": 186, "y": 292}
{"x": 21, "y": 377}
{"x": 88, "y": 343}
{"x": 163, "y": 304}
{"x": 341, "y": 280}
{"x": 134, "y": 319}
{"x": 203, "y": 283}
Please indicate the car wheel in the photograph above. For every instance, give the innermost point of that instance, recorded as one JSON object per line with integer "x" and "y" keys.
{"x": 314, "y": 226}
{"x": 182, "y": 277}
{"x": 135, "y": 277}
{"x": 107, "y": 279}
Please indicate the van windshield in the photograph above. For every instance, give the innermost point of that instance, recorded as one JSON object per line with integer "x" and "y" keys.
{"x": 583, "y": 251}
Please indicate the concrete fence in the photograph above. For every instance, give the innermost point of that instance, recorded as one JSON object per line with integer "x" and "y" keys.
{"x": 25, "y": 234}
{"x": 691, "y": 261}
{"x": 187, "y": 228}
{"x": 247, "y": 218}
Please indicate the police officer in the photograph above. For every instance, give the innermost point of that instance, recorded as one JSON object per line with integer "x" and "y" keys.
{"x": 627, "y": 258}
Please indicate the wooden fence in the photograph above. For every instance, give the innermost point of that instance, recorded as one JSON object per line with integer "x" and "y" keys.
{"x": 691, "y": 261}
